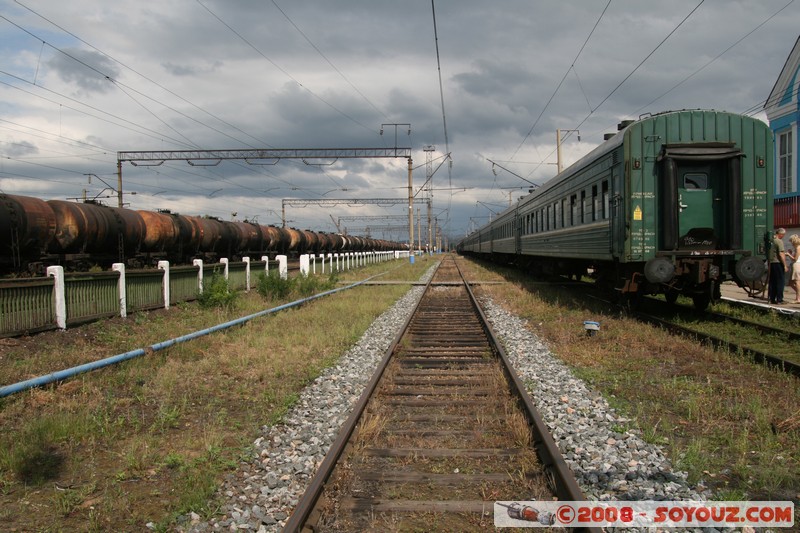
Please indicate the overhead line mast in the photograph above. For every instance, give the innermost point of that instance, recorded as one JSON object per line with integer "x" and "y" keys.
{"x": 249, "y": 155}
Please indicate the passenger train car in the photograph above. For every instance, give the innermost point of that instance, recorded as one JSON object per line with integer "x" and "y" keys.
{"x": 673, "y": 203}
{"x": 35, "y": 233}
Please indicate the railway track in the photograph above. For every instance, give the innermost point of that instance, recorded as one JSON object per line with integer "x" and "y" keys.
{"x": 443, "y": 431}
{"x": 657, "y": 313}
{"x": 768, "y": 339}
{"x": 758, "y": 356}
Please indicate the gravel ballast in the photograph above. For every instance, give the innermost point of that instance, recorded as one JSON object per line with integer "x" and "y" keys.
{"x": 609, "y": 465}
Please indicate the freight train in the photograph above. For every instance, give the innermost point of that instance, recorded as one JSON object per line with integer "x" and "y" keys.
{"x": 35, "y": 233}
{"x": 673, "y": 203}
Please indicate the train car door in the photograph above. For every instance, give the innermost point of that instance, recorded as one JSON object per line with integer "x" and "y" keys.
{"x": 617, "y": 213}
{"x": 700, "y": 205}
{"x": 700, "y": 196}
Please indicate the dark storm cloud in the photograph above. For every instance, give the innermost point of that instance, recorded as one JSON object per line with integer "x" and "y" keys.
{"x": 20, "y": 148}
{"x": 189, "y": 69}
{"x": 240, "y": 74}
{"x": 88, "y": 70}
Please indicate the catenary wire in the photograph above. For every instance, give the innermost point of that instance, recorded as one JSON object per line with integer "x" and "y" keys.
{"x": 284, "y": 71}
{"x": 642, "y": 62}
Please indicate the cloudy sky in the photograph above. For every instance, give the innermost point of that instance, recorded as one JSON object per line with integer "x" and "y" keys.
{"x": 85, "y": 79}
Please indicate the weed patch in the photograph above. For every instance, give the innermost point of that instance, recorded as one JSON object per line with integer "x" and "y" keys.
{"x": 152, "y": 438}
{"x": 716, "y": 415}
{"x": 217, "y": 293}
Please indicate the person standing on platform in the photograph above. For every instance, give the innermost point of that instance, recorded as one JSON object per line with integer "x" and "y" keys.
{"x": 794, "y": 255}
{"x": 777, "y": 267}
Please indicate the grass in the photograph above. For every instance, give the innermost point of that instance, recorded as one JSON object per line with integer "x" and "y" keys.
{"x": 712, "y": 412}
{"x": 150, "y": 439}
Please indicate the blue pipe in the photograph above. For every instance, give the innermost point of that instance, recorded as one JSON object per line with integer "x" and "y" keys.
{"x": 70, "y": 372}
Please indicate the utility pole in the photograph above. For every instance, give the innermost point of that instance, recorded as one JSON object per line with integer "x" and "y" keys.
{"x": 336, "y": 224}
{"x": 429, "y": 179}
{"x": 119, "y": 183}
{"x": 419, "y": 231}
{"x": 410, "y": 209}
{"x": 410, "y": 186}
{"x": 558, "y": 146}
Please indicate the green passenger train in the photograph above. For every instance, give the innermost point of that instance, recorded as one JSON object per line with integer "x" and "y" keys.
{"x": 673, "y": 203}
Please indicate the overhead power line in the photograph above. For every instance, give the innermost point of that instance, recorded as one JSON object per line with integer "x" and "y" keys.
{"x": 693, "y": 74}
{"x": 571, "y": 67}
{"x": 339, "y": 72}
{"x": 642, "y": 62}
{"x": 284, "y": 71}
{"x": 201, "y": 109}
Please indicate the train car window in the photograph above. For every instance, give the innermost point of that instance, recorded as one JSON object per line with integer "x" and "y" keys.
{"x": 573, "y": 210}
{"x": 556, "y": 216}
{"x": 594, "y": 203}
{"x": 583, "y": 206}
{"x": 605, "y": 200}
{"x": 547, "y": 218}
{"x": 695, "y": 181}
{"x": 563, "y": 219}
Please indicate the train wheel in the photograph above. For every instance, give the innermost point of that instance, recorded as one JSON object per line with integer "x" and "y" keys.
{"x": 671, "y": 295}
{"x": 701, "y": 300}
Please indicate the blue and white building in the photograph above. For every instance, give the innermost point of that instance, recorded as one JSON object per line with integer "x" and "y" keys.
{"x": 783, "y": 113}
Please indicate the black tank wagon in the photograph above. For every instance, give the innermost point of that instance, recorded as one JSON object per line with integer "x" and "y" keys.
{"x": 36, "y": 233}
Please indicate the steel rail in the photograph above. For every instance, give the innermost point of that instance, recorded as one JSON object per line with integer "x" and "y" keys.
{"x": 758, "y": 356}
{"x": 306, "y": 504}
{"x": 784, "y": 365}
{"x": 561, "y": 480}
{"x": 565, "y": 485}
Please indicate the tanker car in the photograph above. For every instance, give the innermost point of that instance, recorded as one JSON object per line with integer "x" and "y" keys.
{"x": 674, "y": 203}
{"x": 35, "y": 233}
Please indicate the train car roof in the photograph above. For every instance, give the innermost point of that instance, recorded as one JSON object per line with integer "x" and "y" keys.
{"x": 603, "y": 147}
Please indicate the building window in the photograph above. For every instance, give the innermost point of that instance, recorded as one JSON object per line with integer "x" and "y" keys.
{"x": 785, "y": 181}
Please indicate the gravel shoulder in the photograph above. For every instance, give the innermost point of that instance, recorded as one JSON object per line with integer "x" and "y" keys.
{"x": 610, "y": 462}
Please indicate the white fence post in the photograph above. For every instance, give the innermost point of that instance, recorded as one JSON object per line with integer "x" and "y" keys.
{"x": 265, "y": 258}
{"x": 304, "y": 265}
{"x": 57, "y": 272}
{"x": 199, "y": 264}
{"x": 123, "y": 298}
{"x": 224, "y": 261}
{"x": 283, "y": 269}
{"x": 246, "y": 273}
{"x": 165, "y": 265}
